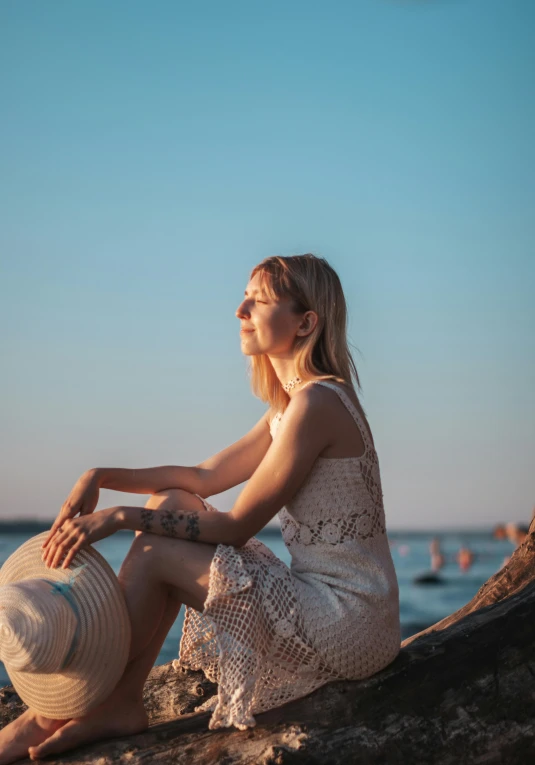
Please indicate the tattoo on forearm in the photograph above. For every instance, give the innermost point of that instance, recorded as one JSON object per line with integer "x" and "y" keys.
{"x": 192, "y": 526}
{"x": 147, "y": 519}
{"x": 170, "y": 520}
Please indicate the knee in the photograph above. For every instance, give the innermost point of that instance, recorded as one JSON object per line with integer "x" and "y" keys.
{"x": 172, "y": 499}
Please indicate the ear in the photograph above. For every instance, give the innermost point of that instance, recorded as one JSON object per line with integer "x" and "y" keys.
{"x": 308, "y": 324}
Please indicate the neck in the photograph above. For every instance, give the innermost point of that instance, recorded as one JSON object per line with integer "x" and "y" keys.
{"x": 284, "y": 369}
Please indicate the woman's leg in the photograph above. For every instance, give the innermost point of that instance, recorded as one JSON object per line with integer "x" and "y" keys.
{"x": 142, "y": 658}
{"x": 158, "y": 574}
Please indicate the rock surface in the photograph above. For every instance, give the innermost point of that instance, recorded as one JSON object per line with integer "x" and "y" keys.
{"x": 462, "y": 691}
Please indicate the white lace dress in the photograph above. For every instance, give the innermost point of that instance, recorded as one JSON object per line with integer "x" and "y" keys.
{"x": 268, "y": 633}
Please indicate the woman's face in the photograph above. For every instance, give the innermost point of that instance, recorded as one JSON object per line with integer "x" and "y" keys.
{"x": 267, "y": 326}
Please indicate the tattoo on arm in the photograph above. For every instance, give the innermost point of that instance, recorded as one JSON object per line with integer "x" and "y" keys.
{"x": 147, "y": 519}
{"x": 170, "y": 520}
{"x": 192, "y": 526}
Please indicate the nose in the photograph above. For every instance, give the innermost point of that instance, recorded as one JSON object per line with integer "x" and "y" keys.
{"x": 241, "y": 311}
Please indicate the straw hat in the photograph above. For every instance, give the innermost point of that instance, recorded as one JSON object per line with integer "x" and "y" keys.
{"x": 64, "y": 633}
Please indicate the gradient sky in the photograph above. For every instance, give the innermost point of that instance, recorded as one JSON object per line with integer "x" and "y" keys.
{"x": 152, "y": 153}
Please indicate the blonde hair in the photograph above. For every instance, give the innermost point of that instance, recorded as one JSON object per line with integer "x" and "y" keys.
{"x": 311, "y": 284}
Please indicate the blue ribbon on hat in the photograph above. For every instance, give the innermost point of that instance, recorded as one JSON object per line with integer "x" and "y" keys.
{"x": 64, "y": 588}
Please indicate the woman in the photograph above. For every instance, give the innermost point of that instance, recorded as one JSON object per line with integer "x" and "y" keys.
{"x": 266, "y": 633}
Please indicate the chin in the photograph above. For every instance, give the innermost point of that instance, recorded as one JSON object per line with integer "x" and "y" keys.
{"x": 247, "y": 350}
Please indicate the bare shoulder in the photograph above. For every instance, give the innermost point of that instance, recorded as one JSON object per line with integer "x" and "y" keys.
{"x": 345, "y": 388}
{"x": 319, "y": 404}
{"x": 308, "y": 404}
{"x": 328, "y": 402}
{"x": 322, "y": 395}
{"x": 314, "y": 399}
{"x": 304, "y": 426}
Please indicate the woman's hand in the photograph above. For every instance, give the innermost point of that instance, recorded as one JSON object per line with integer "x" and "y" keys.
{"x": 75, "y": 533}
{"x": 83, "y": 499}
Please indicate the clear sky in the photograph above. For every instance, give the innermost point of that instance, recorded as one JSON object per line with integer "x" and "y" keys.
{"x": 151, "y": 153}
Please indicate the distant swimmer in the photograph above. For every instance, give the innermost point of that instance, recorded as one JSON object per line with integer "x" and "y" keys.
{"x": 437, "y": 562}
{"x": 465, "y": 558}
{"x": 437, "y": 557}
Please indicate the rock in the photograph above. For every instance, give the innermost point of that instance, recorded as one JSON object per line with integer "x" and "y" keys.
{"x": 461, "y": 691}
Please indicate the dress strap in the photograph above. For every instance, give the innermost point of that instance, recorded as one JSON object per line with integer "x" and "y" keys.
{"x": 351, "y": 407}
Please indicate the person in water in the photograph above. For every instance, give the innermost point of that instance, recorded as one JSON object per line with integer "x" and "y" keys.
{"x": 266, "y": 632}
{"x": 437, "y": 556}
{"x": 465, "y": 558}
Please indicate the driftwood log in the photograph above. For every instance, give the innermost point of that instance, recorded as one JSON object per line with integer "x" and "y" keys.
{"x": 460, "y": 692}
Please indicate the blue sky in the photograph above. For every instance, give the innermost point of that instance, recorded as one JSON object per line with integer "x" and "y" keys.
{"x": 152, "y": 153}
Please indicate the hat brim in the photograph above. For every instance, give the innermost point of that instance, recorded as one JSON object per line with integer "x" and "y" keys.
{"x": 105, "y": 633}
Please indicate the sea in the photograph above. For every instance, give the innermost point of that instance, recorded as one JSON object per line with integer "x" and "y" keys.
{"x": 424, "y": 599}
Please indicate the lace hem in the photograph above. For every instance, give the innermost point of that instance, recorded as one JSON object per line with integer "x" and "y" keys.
{"x": 250, "y": 638}
{"x": 215, "y": 650}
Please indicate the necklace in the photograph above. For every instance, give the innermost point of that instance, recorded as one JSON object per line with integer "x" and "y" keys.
{"x": 291, "y": 384}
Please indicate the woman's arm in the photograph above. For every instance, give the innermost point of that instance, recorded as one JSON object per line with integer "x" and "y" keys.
{"x": 197, "y": 526}
{"x": 303, "y": 434}
{"x": 150, "y": 480}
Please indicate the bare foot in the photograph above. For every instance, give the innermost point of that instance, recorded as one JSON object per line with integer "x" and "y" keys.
{"x": 116, "y": 716}
{"x": 28, "y": 729}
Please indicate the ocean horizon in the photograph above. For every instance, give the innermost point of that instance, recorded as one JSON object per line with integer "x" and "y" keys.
{"x": 14, "y": 525}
